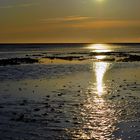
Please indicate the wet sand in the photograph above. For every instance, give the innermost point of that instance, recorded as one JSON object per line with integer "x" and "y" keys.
{"x": 64, "y": 57}
{"x": 70, "y": 100}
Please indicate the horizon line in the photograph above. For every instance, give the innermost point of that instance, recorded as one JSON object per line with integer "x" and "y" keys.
{"x": 68, "y": 43}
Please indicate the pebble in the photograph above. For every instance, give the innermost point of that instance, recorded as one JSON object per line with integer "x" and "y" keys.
{"x": 52, "y": 109}
{"x": 75, "y": 118}
{"x": 67, "y": 121}
{"x": 135, "y": 87}
{"x": 60, "y": 94}
{"x": 60, "y": 106}
{"x": 76, "y": 123}
{"x": 14, "y": 113}
{"x": 45, "y": 114}
{"x": 19, "y": 89}
{"x": 1, "y": 106}
{"x": 48, "y": 96}
{"x": 47, "y": 105}
{"x": 56, "y": 121}
{"x": 20, "y": 117}
{"x": 36, "y": 109}
{"x": 113, "y": 96}
{"x": 22, "y": 104}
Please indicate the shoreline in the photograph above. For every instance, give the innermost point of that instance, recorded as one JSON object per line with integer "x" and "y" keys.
{"x": 97, "y": 57}
{"x": 70, "y": 95}
{"x": 67, "y": 103}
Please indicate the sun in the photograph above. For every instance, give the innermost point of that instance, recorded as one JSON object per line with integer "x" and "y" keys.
{"x": 100, "y": 0}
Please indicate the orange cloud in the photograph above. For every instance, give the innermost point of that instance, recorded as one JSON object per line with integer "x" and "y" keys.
{"x": 83, "y": 22}
{"x": 66, "y": 19}
{"x": 108, "y": 24}
{"x": 74, "y": 29}
{"x": 78, "y": 23}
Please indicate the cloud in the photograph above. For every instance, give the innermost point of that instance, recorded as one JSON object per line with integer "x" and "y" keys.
{"x": 23, "y": 5}
{"x": 76, "y": 29}
{"x": 66, "y": 19}
{"x": 86, "y": 22}
{"x": 100, "y": 24}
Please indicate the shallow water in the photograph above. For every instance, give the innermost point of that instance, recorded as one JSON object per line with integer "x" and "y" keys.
{"x": 71, "y": 100}
{"x": 38, "y": 50}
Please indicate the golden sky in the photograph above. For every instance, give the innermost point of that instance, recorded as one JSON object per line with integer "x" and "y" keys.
{"x": 53, "y": 21}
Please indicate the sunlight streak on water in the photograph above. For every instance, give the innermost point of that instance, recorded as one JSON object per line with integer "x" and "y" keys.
{"x": 99, "y": 48}
{"x": 100, "y": 70}
{"x": 100, "y": 57}
{"x": 97, "y": 114}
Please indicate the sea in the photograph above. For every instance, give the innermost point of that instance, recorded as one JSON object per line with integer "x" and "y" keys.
{"x": 22, "y": 50}
{"x": 75, "y": 91}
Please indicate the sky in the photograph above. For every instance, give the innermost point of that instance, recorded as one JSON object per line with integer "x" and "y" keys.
{"x": 69, "y": 21}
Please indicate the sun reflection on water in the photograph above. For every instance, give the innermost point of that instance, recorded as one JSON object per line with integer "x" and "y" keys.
{"x": 100, "y": 70}
{"x": 96, "y": 118}
{"x": 98, "y": 48}
{"x": 100, "y": 57}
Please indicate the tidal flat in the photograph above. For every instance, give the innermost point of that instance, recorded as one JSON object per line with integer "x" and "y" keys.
{"x": 70, "y": 99}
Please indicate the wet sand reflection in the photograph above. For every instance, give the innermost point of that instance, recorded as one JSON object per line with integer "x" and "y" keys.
{"x": 97, "y": 115}
{"x": 100, "y": 70}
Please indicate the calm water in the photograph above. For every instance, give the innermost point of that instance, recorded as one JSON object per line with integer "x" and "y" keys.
{"x": 22, "y": 49}
{"x": 89, "y": 100}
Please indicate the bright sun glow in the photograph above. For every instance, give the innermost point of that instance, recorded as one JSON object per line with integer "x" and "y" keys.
{"x": 100, "y": 69}
{"x": 100, "y": 57}
{"x": 99, "y": 48}
{"x": 99, "y": 0}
